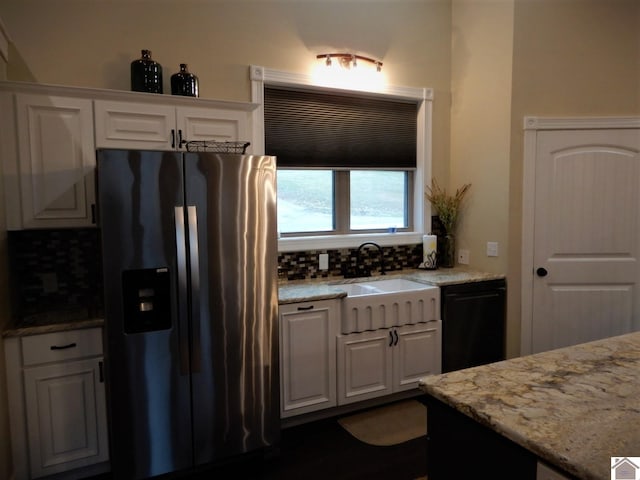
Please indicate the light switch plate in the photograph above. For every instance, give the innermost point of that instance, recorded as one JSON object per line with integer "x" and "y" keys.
{"x": 463, "y": 256}
{"x": 492, "y": 249}
{"x": 323, "y": 261}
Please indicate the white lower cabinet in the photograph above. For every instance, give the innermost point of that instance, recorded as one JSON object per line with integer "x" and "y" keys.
{"x": 57, "y": 403}
{"x": 385, "y": 361}
{"x": 308, "y": 356}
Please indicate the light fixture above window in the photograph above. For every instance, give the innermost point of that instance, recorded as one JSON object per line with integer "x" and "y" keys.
{"x": 348, "y": 60}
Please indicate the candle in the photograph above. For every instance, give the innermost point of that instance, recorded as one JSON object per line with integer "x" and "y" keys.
{"x": 429, "y": 251}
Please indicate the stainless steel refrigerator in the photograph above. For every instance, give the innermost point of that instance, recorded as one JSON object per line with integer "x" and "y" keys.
{"x": 190, "y": 275}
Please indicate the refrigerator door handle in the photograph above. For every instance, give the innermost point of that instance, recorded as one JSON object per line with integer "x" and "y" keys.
{"x": 194, "y": 258}
{"x": 181, "y": 250}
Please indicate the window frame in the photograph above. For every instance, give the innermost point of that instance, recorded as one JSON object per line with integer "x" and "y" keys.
{"x": 421, "y": 213}
{"x": 342, "y": 206}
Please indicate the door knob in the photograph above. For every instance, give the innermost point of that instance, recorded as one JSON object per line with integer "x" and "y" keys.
{"x": 541, "y": 272}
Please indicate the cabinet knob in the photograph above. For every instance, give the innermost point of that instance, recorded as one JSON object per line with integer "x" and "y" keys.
{"x": 541, "y": 272}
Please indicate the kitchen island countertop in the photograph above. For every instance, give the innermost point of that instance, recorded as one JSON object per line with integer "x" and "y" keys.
{"x": 574, "y": 407}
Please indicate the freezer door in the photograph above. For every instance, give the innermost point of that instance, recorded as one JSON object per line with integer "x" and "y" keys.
{"x": 143, "y": 239}
{"x": 231, "y": 200}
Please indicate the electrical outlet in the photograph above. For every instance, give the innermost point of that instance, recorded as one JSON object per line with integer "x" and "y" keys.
{"x": 492, "y": 249}
{"x": 463, "y": 257}
{"x": 49, "y": 282}
{"x": 323, "y": 261}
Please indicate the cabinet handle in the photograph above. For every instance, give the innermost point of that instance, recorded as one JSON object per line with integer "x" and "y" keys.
{"x": 63, "y": 347}
{"x": 395, "y": 332}
{"x": 173, "y": 138}
{"x": 390, "y": 338}
{"x": 100, "y": 369}
{"x": 180, "y": 141}
{"x": 310, "y": 307}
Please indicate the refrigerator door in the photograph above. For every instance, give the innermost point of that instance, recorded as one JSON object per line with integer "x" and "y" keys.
{"x": 146, "y": 336}
{"x": 231, "y": 202}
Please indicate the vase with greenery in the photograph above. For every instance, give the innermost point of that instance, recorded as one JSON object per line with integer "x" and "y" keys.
{"x": 447, "y": 208}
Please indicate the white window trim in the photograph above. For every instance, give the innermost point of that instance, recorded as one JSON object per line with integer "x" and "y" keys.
{"x": 423, "y": 97}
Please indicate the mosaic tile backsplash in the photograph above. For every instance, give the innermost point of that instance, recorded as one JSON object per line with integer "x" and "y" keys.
{"x": 61, "y": 270}
{"x": 56, "y": 271}
{"x": 344, "y": 262}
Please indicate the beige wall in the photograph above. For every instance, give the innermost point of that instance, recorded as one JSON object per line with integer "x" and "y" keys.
{"x": 482, "y": 39}
{"x": 570, "y": 57}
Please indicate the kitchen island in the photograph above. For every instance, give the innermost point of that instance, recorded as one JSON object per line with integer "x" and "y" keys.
{"x": 572, "y": 408}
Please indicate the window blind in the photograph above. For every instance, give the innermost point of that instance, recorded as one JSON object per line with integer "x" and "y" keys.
{"x": 321, "y": 130}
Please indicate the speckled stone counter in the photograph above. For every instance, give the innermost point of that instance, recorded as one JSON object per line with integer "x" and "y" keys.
{"x": 310, "y": 290}
{"x": 23, "y": 330}
{"x": 574, "y": 408}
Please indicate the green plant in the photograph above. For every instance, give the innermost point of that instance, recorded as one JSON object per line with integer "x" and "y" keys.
{"x": 446, "y": 206}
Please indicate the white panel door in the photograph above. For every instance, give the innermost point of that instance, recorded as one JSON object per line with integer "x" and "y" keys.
{"x": 586, "y": 236}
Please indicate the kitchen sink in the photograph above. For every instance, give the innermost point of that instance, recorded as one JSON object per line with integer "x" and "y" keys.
{"x": 371, "y": 305}
{"x": 357, "y": 289}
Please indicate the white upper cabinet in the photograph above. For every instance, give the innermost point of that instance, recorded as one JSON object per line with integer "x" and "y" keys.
{"x": 49, "y": 135}
{"x": 163, "y": 127}
{"x": 48, "y": 160}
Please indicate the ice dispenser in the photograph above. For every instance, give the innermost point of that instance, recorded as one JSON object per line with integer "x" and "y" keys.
{"x": 147, "y": 300}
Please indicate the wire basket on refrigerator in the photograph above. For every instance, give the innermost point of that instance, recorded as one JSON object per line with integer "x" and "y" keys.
{"x": 217, "y": 147}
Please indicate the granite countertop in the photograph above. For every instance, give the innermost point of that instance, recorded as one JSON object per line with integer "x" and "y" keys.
{"x": 323, "y": 289}
{"x": 573, "y": 407}
{"x": 57, "y": 320}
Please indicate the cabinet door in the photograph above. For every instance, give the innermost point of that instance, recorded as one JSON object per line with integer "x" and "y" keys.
{"x": 364, "y": 365}
{"x": 56, "y": 161}
{"x": 66, "y": 416}
{"x": 307, "y": 357}
{"x": 135, "y": 126}
{"x": 212, "y": 124}
{"x": 416, "y": 354}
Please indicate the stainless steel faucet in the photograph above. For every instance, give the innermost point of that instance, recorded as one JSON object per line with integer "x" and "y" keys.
{"x": 373, "y": 244}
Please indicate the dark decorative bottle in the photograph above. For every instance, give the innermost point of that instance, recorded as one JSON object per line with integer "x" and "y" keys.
{"x": 146, "y": 74}
{"x": 184, "y": 83}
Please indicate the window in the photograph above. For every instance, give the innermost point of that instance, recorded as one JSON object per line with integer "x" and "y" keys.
{"x": 316, "y": 202}
{"x": 332, "y": 193}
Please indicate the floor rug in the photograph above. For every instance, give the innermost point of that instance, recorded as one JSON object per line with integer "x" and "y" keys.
{"x": 389, "y": 425}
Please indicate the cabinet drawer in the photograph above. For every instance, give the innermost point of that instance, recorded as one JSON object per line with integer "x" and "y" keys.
{"x": 61, "y": 346}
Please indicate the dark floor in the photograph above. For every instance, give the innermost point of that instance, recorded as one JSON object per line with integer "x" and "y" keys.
{"x": 324, "y": 450}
